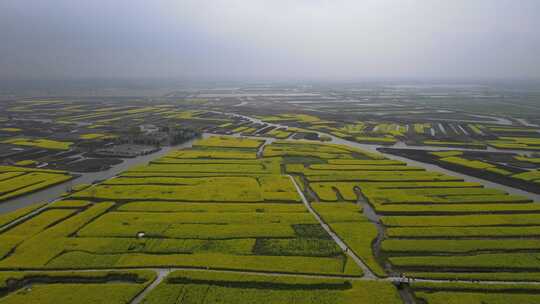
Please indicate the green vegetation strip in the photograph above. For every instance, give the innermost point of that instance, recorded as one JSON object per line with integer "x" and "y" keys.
{"x": 73, "y": 287}
{"x": 191, "y": 287}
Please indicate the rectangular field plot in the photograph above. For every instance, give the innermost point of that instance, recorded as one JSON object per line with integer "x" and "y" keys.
{"x": 463, "y": 232}
{"x": 454, "y": 293}
{"x": 18, "y": 181}
{"x": 203, "y": 168}
{"x": 209, "y": 154}
{"x": 39, "y": 143}
{"x": 220, "y": 261}
{"x": 463, "y": 220}
{"x": 279, "y": 237}
{"x": 358, "y": 162}
{"x": 486, "y": 276}
{"x": 167, "y": 224}
{"x": 114, "y": 287}
{"x": 159, "y": 206}
{"x": 441, "y": 196}
{"x": 251, "y": 289}
{"x": 432, "y": 222}
{"x": 433, "y": 246}
{"x": 209, "y": 189}
{"x": 322, "y": 151}
{"x": 238, "y": 190}
{"x": 453, "y": 209}
{"x": 359, "y": 168}
{"x": 375, "y": 176}
{"x": 229, "y": 142}
{"x": 479, "y": 262}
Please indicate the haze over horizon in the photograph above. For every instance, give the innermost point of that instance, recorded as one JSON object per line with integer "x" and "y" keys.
{"x": 315, "y": 40}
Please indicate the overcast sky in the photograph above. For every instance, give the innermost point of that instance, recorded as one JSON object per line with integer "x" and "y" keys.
{"x": 273, "y": 39}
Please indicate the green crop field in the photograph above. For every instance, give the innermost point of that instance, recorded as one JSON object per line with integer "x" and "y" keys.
{"x": 10, "y": 217}
{"x": 229, "y": 288}
{"x": 17, "y": 181}
{"x": 246, "y": 215}
{"x": 39, "y": 143}
{"x": 229, "y": 142}
{"x": 463, "y": 232}
{"x": 207, "y": 154}
{"x": 432, "y": 246}
{"x": 452, "y": 209}
{"x": 238, "y": 189}
{"x": 486, "y": 276}
{"x": 91, "y": 287}
{"x": 222, "y": 206}
{"x": 481, "y": 261}
{"x": 463, "y": 220}
{"x": 443, "y": 297}
{"x": 475, "y": 293}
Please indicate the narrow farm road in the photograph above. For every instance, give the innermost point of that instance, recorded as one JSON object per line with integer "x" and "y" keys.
{"x": 367, "y": 272}
{"x": 161, "y": 275}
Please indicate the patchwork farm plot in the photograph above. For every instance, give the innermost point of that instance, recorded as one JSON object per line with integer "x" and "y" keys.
{"x": 454, "y": 293}
{"x": 236, "y": 204}
{"x": 229, "y": 288}
{"x": 266, "y": 129}
{"x": 87, "y": 135}
{"x": 92, "y": 287}
{"x": 387, "y": 130}
{"x": 217, "y": 213}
